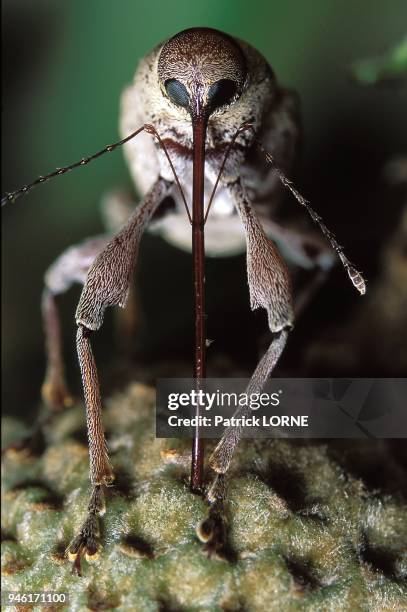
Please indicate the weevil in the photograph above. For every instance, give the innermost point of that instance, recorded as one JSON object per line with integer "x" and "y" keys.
{"x": 204, "y": 121}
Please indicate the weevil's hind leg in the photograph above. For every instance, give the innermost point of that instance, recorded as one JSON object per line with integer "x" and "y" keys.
{"x": 107, "y": 284}
{"x": 70, "y": 267}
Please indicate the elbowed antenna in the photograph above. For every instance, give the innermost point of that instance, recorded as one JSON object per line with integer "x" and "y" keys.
{"x": 150, "y": 129}
{"x": 242, "y": 128}
{"x": 356, "y": 277}
{"x": 13, "y": 195}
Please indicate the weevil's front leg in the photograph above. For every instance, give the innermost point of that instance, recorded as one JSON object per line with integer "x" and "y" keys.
{"x": 107, "y": 284}
{"x": 70, "y": 267}
{"x": 270, "y": 288}
{"x": 116, "y": 209}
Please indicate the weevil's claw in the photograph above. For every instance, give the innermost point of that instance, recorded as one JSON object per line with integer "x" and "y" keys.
{"x": 212, "y": 531}
{"x": 204, "y": 530}
{"x": 86, "y": 544}
{"x": 76, "y": 567}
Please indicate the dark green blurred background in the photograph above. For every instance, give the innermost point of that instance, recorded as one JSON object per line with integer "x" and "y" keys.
{"x": 65, "y": 64}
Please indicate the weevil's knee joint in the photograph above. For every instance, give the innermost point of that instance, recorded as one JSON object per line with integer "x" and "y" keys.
{"x": 83, "y": 331}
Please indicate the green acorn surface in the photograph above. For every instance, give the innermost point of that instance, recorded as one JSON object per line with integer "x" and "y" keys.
{"x": 317, "y": 525}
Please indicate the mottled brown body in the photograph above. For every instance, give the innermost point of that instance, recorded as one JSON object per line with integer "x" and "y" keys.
{"x": 207, "y": 111}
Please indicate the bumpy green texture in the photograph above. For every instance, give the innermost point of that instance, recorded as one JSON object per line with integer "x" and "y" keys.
{"x": 312, "y": 525}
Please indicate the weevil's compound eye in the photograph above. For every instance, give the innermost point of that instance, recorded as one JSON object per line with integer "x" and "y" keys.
{"x": 201, "y": 68}
{"x": 221, "y": 93}
{"x": 177, "y": 92}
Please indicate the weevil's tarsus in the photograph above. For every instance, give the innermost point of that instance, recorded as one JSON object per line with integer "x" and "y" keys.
{"x": 206, "y": 529}
{"x": 212, "y": 531}
{"x": 97, "y": 501}
{"x": 87, "y": 542}
{"x": 356, "y": 277}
